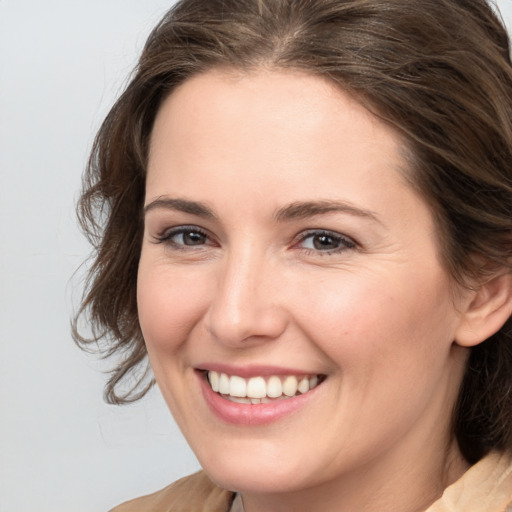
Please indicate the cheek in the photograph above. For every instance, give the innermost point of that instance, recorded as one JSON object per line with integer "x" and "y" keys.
{"x": 169, "y": 303}
{"x": 389, "y": 349}
{"x": 368, "y": 320}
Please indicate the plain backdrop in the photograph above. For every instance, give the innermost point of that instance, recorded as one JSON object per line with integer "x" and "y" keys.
{"x": 62, "y": 449}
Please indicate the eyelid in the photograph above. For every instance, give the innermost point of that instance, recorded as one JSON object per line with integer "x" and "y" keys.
{"x": 346, "y": 242}
{"x": 166, "y": 235}
{"x": 343, "y": 241}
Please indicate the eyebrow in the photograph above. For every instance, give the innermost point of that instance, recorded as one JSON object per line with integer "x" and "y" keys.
{"x": 303, "y": 210}
{"x": 181, "y": 205}
{"x": 293, "y": 211}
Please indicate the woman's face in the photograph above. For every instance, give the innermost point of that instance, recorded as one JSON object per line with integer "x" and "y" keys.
{"x": 284, "y": 247}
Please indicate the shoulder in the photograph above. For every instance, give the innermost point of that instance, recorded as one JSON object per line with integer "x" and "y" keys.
{"x": 194, "y": 493}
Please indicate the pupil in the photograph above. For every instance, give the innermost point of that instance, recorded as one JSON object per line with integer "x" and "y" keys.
{"x": 324, "y": 242}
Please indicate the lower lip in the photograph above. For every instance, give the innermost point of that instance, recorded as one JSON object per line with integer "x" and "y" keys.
{"x": 249, "y": 414}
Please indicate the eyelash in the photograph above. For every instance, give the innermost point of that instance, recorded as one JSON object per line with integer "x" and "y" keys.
{"x": 342, "y": 242}
{"x": 167, "y": 237}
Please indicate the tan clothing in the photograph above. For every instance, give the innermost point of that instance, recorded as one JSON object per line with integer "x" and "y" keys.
{"x": 194, "y": 493}
{"x": 485, "y": 487}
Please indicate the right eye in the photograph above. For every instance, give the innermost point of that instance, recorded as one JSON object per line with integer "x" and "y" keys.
{"x": 182, "y": 237}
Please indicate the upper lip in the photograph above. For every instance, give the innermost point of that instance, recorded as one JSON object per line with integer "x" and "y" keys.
{"x": 253, "y": 370}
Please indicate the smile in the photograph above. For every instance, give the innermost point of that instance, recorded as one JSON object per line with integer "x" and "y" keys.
{"x": 261, "y": 390}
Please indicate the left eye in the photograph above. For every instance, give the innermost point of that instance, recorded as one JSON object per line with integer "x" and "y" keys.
{"x": 326, "y": 241}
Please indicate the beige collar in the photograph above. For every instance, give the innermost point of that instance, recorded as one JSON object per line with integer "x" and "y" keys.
{"x": 485, "y": 487}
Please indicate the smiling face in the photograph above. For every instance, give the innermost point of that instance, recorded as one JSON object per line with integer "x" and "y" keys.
{"x": 283, "y": 247}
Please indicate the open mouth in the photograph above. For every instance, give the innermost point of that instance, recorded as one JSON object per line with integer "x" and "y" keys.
{"x": 261, "y": 390}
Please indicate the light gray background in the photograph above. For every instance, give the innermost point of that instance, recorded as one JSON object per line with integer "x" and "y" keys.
{"x": 62, "y": 449}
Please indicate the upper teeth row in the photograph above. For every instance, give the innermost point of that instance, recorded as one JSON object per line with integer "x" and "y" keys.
{"x": 259, "y": 387}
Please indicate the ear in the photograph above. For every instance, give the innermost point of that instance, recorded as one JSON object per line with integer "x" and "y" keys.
{"x": 487, "y": 309}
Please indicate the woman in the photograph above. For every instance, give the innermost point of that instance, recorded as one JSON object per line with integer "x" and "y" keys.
{"x": 302, "y": 214}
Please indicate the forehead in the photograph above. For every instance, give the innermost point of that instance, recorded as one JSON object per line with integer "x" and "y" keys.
{"x": 262, "y": 98}
{"x": 224, "y": 120}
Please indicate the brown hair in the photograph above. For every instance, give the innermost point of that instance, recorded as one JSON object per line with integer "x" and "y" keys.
{"x": 438, "y": 70}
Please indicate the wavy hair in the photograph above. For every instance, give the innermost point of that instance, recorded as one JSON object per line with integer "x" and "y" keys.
{"x": 439, "y": 71}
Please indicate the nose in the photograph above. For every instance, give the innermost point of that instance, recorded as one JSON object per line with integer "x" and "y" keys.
{"x": 246, "y": 306}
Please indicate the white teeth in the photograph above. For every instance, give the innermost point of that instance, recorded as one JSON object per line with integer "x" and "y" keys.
{"x": 290, "y": 385}
{"x": 256, "y": 387}
{"x": 237, "y": 386}
{"x": 240, "y": 400}
{"x": 274, "y": 387}
{"x": 257, "y": 390}
{"x": 214, "y": 380}
{"x": 303, "y": 385}
{"x": 223, "y": 384}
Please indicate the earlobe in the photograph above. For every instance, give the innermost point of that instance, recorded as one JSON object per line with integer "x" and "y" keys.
{"x": 488, "y": 309}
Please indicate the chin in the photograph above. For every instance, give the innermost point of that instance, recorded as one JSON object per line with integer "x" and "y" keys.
{"x": 260, "y": 468}
{"x": 256, "y": 479}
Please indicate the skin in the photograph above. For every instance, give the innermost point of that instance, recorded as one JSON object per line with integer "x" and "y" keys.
{"x": 375, "y": 312}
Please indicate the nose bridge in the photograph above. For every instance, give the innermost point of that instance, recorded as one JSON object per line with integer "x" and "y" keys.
{"x": 245, "y": 304}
